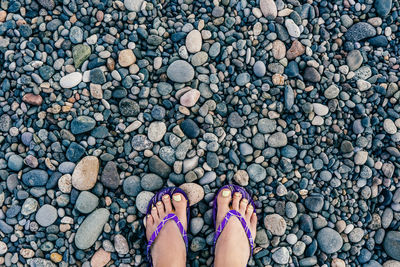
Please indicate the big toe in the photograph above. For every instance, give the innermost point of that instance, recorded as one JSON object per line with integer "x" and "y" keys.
{"x": 179, "y": 203}
{"x": 223, "y": 200}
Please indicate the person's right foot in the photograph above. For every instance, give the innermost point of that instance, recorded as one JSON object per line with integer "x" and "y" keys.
{"x": 233, "y": 239}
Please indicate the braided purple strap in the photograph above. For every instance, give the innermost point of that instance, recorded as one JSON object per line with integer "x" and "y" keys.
{"x": 153, "y": 237}
{"x": 244, "y": 224}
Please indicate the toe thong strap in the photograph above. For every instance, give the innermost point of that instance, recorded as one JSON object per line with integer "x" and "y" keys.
{"x": 153, "y": 237}
{"x": 242, "y": 221}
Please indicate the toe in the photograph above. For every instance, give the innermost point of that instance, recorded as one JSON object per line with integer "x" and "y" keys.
{"x": 149, "y": 221}
{"x": 249, "y": 212}
{"x": 224, "y": 198}
{"x": 243, "y": 206}
{"x": 154, "y": 214}
{"x": 236, "y": 200}
{"x": 160, "y": 209}
{"x": 167, "y": 204}
{"x": 179, "y": 203}
{"x": 253, "y": 224}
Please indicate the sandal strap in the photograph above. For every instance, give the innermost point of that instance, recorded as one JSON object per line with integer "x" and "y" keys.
{"x": 224, "y": 222}
{"x": 170, "y": 216}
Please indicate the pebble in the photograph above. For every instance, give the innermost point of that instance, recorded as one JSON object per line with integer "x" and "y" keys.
{"x": 91, "y": 228}
{"x": 360, "y": 31}
{"x": 110, "y": 176}
{"x": 126, "y": 58}
{"x": 85, "y": 173}
{"x": 259, "y": 69}
{"x": 190, "y": 98}
{"x": 256, "y": 172}
{"x": 82, "y": 124}
{"x": 276, "y": 224}
{"x": 194, "y": 192}
{"x": 383, "y": 7}
{"x": 133, "y": 5}
{"x": 35, "y": 178}
{"x": 120, "y": 244}
{"x": 15, "y": 162}
{"x": 268, "y": 9}
{"x": 329, "y": 240}
{"x": 142, "y": 200}
{"x": 46, "y": 215}
{"x": 281, "y": 256}
{"x": 241, "y": 177}
{"x": 278, "y": 139}
{"x": 71, "y": 80}
{"x": 391, "y": 244}
{"x": 86, "y": 202}
{"x": 156, "y": 131}
{"x": 389, "y": 126}
{"x": 131, "y": 186}
{"x": 100, "y": 258}
{"x": 292, "y": 28}
{"x": 354, "y": 59}
{"x": 193, "y": 41}
{"x": 180, "y": 71}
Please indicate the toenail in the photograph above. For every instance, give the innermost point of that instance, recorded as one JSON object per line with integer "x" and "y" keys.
{"x": 165, "y": 196}
{"x": 153, "y": 208}
{"x": 159, "y": 203}
{"x": 177, "y": 197}
{"x": 237, "y": 194}
{"x": 244, "y": 200}
{"x": 226, "y": 193}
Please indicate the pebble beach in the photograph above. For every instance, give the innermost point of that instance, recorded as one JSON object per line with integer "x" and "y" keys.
{"x": 105, "y": 102}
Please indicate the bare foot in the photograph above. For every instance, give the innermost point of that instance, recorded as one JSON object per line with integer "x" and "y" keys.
{"x": 233, "y": 239}
{"x": 169, "y": 247}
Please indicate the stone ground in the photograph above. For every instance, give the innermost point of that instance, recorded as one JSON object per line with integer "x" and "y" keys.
{"x": 104, "y": 102}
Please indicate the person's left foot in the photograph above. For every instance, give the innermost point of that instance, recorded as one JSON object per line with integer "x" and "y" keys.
{"x": 169, "y": 239}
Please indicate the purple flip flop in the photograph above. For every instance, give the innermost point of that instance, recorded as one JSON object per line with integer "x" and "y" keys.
{"x": 171, "y": 216}
{"x": 246, "y": 195}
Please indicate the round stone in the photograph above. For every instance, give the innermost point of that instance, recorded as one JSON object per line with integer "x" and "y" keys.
{"x": 126, "y": 58}
{"x": 15, "y": 162}
{"x": 71, "y": 80}
{"x": 133, "y": 5}
{"x": 389, "y": 126}
{"x": 46, "y": 215}
{"x": 266, "y": 125}
{"x": 194, "y": 192}
{"x": 268, "y": 9}
{"x": 259, "y": 68}
{"x": 142, "y": 201}
{"x": 85, "y": 173}
{"x": 193, "y": 41}
{"x": 128, "y": 107}
{"x": 131, "y": 186}
{"x": 156, "y": 131}
{"x": 278, "y": 139}
{"x": 91, "y": 228}
{"x": 151, "y": 182}
{"x": 281, "y": 256}
{"x": 86, "y": 202}
{"x": 329, "y": 240}
{"x": 190, "y": 98}
{"x": 30, "y": 206}
{"x": 276, "y": 224}
{"x": 190, "y": 128}
{"x": 241, "y": 178}
{"x": 292, "y": 28}
{"x": 256, "y": 172}
{"x": 278, "y": 49}
{"x": 180, "y": 71}
{"x": 242, "y": 79}
{"x": 391, "y": 244}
